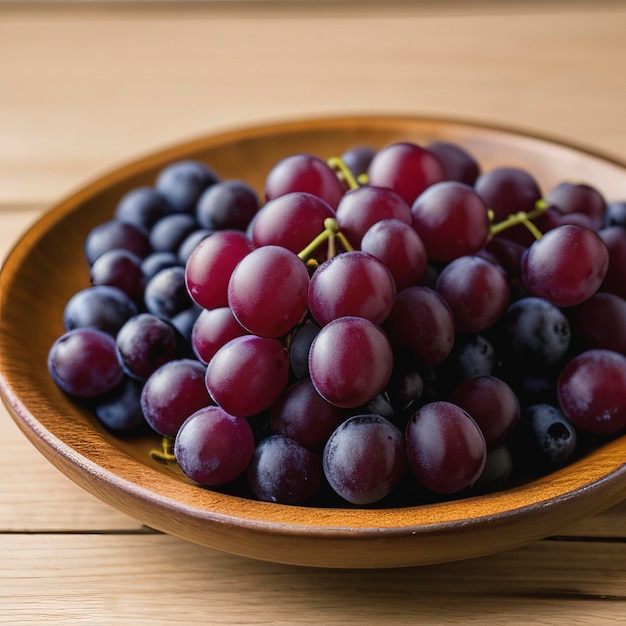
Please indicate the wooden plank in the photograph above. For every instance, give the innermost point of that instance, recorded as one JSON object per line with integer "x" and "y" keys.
{"x": 506, "y": 69}
{"x": 107, "y": 579}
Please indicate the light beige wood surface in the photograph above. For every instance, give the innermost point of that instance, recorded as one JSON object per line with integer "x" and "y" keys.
{"x": 85, "y": 88}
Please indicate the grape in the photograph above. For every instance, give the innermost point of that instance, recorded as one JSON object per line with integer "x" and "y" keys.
{"x": 406, "y": 168}
{"x": 364, "y": 459}
{"x": 146, "y": 342}
{"x": 83, "y": 363}
{"x": 172, "y": 393}
{"x": 508, "y": 190}
{"x": 399, "y": 248}
{"x": 421, "y": 324}
{"x": 476, "y": 291}
{"x": 571, "y": 198}
{"x": 458, "y": 164}
{"x": 600, "y": 322}
{"x": 498, "y": 468}
{"x": 267, "y": 292}
{"x": 351, "y": 284}
{"x": 363, "y": 207}
{"x": 304, "y": 172}
{"x": 142, "y": 207}
{"x": 492, "y": 404}
{"x": 190, "y": 243}
{"x": 227, "y": 205}
{"x": 112, "y": 235}
{"x": 445, "y": 447}
{"x": 550, "y": 436}
{"x": 291, "y": 221}
{"x": 537, "y": 333}
{"x": 158, "y": 261}
{"x": 472, "y": 355}
{"x": 358, "y": 158}
{"x": 404, "y": 388}
{"x": 170, "y": 231}
{"x": 101, "y": 306}
{"x": 212, "y": 329}
{"x": 350, "y": 361}
{"x": 211, "y": 264}
{"x": 614, "y": 238}
{"x": 120, "y": 410}
{"x": 566, "y": 266}
{"x": 616, "y": 213}
{"x": 247, "y": 374}
{"x": 451, "y": 219}
{"x": 183, "y": 182}
{"x": 301, "y": 414}
{"x": 299, "y": 347}
{"x": 184, "y": 321}
{"x": 166, "y": 293}
{"x": 121, "y": 269}
{"x": 282, "y": 470}
{"x": 592, "y": 391}
{"x": 213, "y": 447}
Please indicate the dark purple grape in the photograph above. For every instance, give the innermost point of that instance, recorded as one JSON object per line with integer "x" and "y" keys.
{"x": 458, "y": 164}
{"x": 158, "y": 261}
{"x": 592, "y": 391}
{"x": 358, "y": 158}
{"x": 537, "y": 333}
{"x": 364, "y": 459}
{"x": 212, "y": 329}
{"x": 404, "y": 388}
{"x": 100, "y": 306}
{"x": 282, "y": 470}
{"x": 445, "y": 447}
{"x": 169, "y": 232}
{"x": 185, "y": 320}
{"x": 182, "y": 183}
{"x": 212, "y": 447}
{"x": 166, "y": 293}
{"x": 121, "y": 269}
{"x": 172, "y": 393}
{"x": 83, "y": 363}
{"x": 299, "y": 348}
{"x": 472, "y": 355}
{"x": 145, "y": 343}
{"x": 120, "y": 410}
{"x": 190, "y": 243}
{"x": 113, "y": 235}
{"x": 549, "y": 436}
{"x": 616, "y": 213}
{"x": 142, "y": 207}
{"x": 230, "y": 204}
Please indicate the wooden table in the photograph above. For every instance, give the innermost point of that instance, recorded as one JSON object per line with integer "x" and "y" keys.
{"x": 86, "y": 87}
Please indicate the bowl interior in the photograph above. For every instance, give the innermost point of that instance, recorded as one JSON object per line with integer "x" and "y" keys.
{"x": 47, "y": 267}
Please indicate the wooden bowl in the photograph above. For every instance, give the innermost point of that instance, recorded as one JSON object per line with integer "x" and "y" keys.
{"x": 47, "y": 267}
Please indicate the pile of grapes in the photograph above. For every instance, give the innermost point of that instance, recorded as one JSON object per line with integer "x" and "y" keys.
{"x": 386, "y": 327}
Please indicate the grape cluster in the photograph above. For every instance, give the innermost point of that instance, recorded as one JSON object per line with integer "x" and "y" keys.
{"x": 389, "y": 326}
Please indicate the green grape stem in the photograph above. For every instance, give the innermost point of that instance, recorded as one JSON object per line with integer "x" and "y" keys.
{"x": 522, "y": 217}
{"x": 330, "y": 234}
